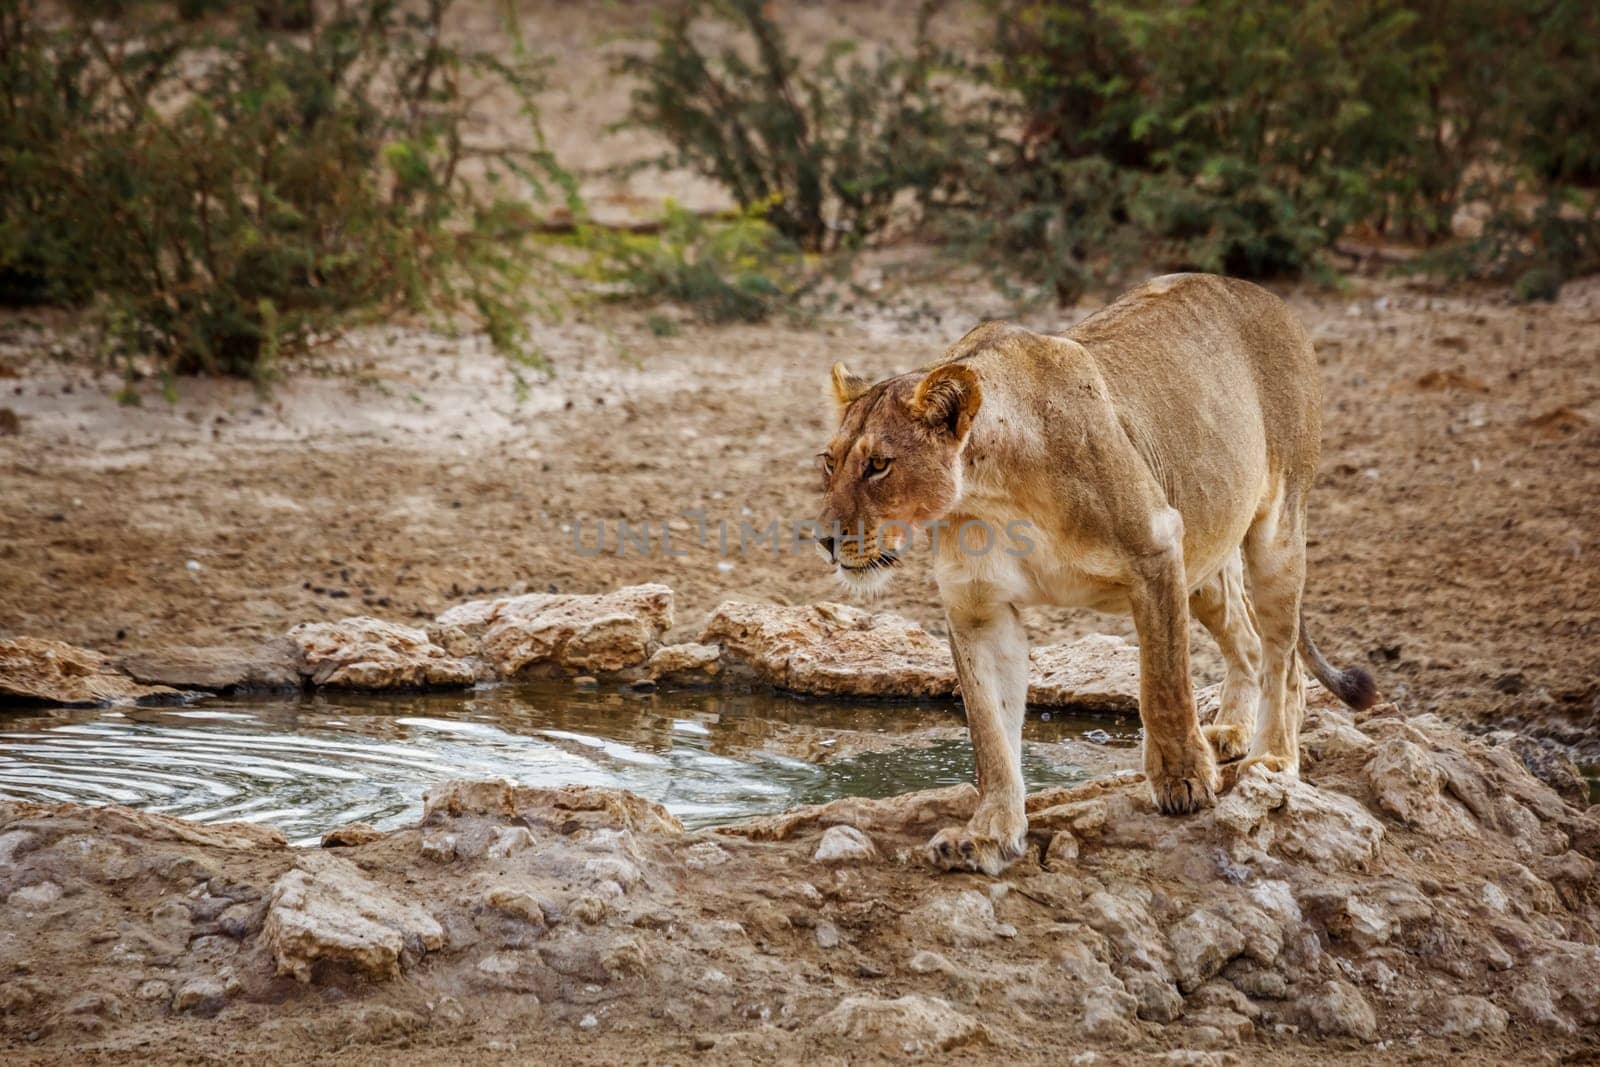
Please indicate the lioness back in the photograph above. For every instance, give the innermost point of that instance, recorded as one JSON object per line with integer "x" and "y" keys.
{"x": 1199, "y": 363}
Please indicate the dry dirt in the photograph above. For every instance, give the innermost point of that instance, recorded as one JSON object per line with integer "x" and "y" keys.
{"x": 1454, "y": 534}
{"x": 1454, "y": 542}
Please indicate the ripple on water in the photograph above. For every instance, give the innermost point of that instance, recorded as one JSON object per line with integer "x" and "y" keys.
{"x": 309, "y": 764}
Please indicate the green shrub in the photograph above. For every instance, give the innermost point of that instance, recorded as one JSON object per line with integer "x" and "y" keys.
{"x": 724, "y": 270}
{"x": 823, "y": 151}
{"x": 1247, "y": 134}
{"x": 1513, "y": 129}
{"x": 1244, "y": 136}
{"x": 227, "y": 189}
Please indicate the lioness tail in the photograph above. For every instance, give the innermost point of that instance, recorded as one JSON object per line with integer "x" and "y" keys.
{"x": 1353, "y": 686}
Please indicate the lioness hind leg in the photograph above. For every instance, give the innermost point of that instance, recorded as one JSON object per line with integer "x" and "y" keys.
{"x": 1275, "y": 558}
{"x": 1223, "y": 607}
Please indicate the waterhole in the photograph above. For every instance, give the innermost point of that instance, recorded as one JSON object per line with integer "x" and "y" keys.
{"x": 311, "y": 763}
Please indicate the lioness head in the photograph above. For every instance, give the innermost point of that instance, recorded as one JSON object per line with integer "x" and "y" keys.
{"x": 894, "y": 462}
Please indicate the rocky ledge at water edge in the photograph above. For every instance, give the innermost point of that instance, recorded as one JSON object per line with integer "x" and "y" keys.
{"x": 831, "y": 650}
{"x": 1415, "y": 891}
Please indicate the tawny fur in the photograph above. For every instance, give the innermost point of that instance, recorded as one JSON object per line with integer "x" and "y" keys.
{"x": 1160, "y": 454}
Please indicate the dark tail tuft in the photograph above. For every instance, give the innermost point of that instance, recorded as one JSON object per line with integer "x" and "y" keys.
{"x": 1354, "y": 686}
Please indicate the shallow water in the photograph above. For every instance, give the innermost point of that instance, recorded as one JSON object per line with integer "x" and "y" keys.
{"x": 309, "y": 764}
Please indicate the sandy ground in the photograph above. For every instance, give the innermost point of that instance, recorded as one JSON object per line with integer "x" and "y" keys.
{"x": 1454, "y": 534}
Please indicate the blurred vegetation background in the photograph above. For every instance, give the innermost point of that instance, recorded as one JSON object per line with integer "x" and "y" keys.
{"x": 221, "y": 181}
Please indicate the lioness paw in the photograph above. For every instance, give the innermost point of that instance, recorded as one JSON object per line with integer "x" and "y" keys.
{"x": 1188, "y": 786}
{"x": 988, "y": 843}
{"x": 1228, "y": 740}
{"x": 1277, "y": 764}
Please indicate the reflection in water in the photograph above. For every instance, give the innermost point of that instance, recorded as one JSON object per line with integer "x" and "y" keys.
{"x": 309, "y": 764}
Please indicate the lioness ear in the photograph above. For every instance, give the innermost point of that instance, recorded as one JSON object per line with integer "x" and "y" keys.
{"x": 948, "y": 399}
{"x": 846, "y": 386}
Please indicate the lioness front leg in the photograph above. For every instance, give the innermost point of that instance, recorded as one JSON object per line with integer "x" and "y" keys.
{"x": 990, "y": 647}
{"x": 1177, "y": 759}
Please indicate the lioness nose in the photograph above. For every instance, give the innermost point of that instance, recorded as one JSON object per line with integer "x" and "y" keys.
{"x": 826, "y": 544}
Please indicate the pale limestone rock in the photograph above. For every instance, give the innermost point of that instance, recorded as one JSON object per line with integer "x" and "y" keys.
{"x": 686, "y": 664}
{"x": 618, "y": 869}
{"x": 1079, "y": 960}
{"x": 351, "y": 835}
{"x": 1085, "y": 818}
{"x": 515, "y": 902}
{"x": 113, "y": 820}
{"x": 928, "y": 961}
{"x": 1556, "y": 989}
{"x": 153, "y": 989}
{"x": 38, "y": 895}
{"x": 958, "y": 919}
{"x": 913, "y": 1024}
{"x": 326, "y": 912}
{"x": 200, "y": 995}
{"x": 1337, "y": 1009}
{"x": 1291, "y": 818}
{"x": 1570, "y": 868}
{"x": 897, "y": 814}
{"x": 1367, "y": 924}
{"x": 1217, "y": 993}
{"x": 53, "y": 672}
{"x": 605, "y": 632}
{"x": 1063, "y": 850}
{"x": 1408, "y": 784}
{"x": 1158, "y": 1000}
{"x": 1126, "y": 922}
{"x": 440, "y": 848}
{"x": 842, "y": 845}
{"x": 703, "y": 855}
{"x": 13, "y": 843}
{"x": 1470, "y": 1016}
{"x": 508, "y": 841}
{"x": 1334, "y": 740}
{"x": 1108, "y": 1015}
{"x": 837, "y": 650}
{"x": 1261, "y": 984}
{"x": 1098, "y": 670}
{"x": 565, "y": 809}
{"x": 1202, "y": 944}
{"x": 1263, "y": 932}
{"x": 1276, "y": 898}
{"x": 366, "y": 653}
{"x": 273, "y": 664}
{"x": 832, "y": 650}
{"x": 509, "y": 972}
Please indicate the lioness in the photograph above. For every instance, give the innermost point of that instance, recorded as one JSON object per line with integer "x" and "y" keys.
{"x": 1158, "y": 456}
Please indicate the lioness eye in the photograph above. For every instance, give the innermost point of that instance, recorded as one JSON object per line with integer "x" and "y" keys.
{"x": 877, "y": 464}
{"x": 827, "y": 464}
